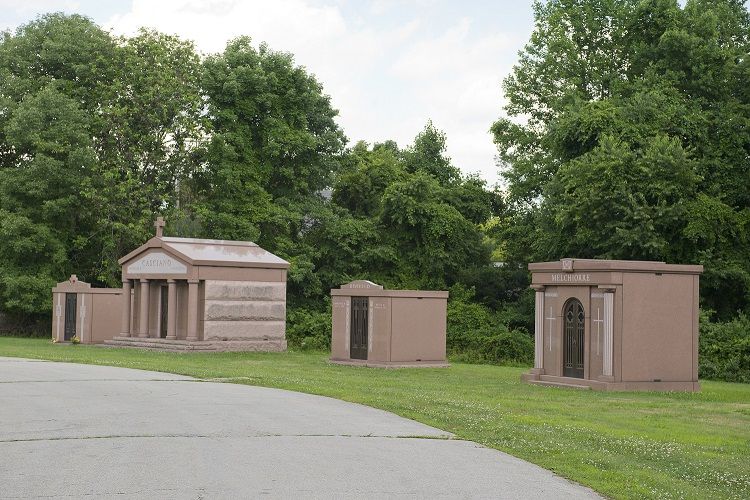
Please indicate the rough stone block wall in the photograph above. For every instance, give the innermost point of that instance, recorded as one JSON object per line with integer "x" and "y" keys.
{"x": 244, "y": 310}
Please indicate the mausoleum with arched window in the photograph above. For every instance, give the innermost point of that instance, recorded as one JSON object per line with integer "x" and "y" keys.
{"x": 616, "y": 325}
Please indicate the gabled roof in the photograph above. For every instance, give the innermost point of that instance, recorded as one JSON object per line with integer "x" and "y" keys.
{"x": 199, "y": 252}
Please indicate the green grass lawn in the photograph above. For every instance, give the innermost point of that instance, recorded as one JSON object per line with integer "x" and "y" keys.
{"x": 624, "y": 445}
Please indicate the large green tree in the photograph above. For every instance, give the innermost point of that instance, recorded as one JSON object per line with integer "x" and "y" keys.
{"x": 406, "y": 218}
{"x": 95, "y": 133}
{"x": 274, "y": 144}
{"x": 627, "y": 137}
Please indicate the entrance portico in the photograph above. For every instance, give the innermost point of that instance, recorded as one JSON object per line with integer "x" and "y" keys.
{"x": 153, "y": 311}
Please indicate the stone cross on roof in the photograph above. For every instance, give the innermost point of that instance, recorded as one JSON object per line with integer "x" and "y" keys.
{"x": 159, "y": 225}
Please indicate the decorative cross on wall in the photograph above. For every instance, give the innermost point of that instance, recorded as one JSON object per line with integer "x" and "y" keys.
{"x": 598, "y": 322}
{"x": 58, "y": 313}
{"x": 551, "y": 321}
{"x": 159, "y": 225}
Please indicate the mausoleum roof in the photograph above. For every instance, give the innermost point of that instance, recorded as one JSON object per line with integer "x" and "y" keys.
{"x": 642, "y": 266}
{"x": 204, "y": 252}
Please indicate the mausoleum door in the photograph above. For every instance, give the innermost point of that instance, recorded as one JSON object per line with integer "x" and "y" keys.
{"x": 359, "y": 333}
{"x": 573, "y": 339}
{"x": 164, "y": 309}
{"x": 70, "y": 315}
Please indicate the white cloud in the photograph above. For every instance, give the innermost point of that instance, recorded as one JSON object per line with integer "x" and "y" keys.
{"x": 26, "y": 6}
{"x": 386, "y": 82}
{"x": 13, "y": 11}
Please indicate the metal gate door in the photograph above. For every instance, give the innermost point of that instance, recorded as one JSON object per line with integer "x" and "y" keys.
{"x": 70, "y": 315}
{"x": 358, "y": 340}
{"x": 164, "y": 312}
{"x": 573, "y": 342}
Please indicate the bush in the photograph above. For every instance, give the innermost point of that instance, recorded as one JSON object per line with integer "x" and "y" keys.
{"x": 23, "y": 325}
{"x": 514, "y": 347}
{"x": 466, "y": 322}
{"x": 476, "y": 334}
{"x": 724, "y": 349}
{"x": 308, "y": 329}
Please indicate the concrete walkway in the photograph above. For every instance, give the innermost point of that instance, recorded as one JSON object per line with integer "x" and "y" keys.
{"x": 77, "y": 431}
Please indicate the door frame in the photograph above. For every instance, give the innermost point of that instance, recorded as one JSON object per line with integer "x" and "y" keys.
{"x": 163, "y": 300}
{"x": 362, "y": 352}
{"x": 578, "y": 350}
{"x": 68, "y": 319}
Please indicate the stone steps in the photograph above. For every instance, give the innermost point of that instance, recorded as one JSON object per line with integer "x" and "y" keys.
{"x": 547, "y": 383}
{"x": 210, "y": 345}
{"x": 159, "y": 344}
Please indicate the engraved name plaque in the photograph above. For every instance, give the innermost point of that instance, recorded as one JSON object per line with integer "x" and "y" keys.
{"x": 157, "y": 263}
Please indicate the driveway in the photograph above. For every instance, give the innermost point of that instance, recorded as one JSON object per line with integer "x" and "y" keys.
{"x": 78, "y": 431}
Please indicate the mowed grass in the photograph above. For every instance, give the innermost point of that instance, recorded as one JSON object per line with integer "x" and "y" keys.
{"x": 624, "y": 445}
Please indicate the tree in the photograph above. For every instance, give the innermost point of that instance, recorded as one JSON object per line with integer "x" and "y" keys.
{"x": 147, "y": 144}
{"x": 49, "y": 75}
{"x": 40, "y": 213}
{"x": 637, "y": 124}
{"x": 95, "y": 134}
{"x": 412, "y": 220}
{"x": 427, "y": 154}
{"x": 274, "y": 145}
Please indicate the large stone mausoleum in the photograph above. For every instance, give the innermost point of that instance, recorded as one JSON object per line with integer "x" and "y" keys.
{"x": 616, "y": 325}
{"x": 195, "y": 294}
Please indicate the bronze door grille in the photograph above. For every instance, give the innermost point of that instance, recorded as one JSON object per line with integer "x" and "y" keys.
{"x": 573, "y": 343}
{"x": 164, "y": 312}
{"x": 70, "y": 315}
{"x": 358, "y": 341}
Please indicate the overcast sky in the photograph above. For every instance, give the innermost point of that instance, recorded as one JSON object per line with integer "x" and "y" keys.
{"x": 389, "y": 66}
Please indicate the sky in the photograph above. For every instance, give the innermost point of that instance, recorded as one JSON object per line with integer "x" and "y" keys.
{"x": 389, "y": 66}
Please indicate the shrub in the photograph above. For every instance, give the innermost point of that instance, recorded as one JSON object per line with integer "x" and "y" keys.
{"x": 514, "y": 347}
{"x": 466, "y": 322}
{"x": 724, "y": 349}
{"x": 308, "y": 329}
{"x": 476, "y": 334}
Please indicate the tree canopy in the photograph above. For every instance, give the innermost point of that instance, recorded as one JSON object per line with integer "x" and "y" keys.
{"x": 95, "y": 133}
{"x": 636, "y": 141}
{"x": 99, "y": 134}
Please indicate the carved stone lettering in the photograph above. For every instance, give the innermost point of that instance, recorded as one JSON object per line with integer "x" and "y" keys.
{"x": 362, "y": 284}
{"x": 157, "y": 263}
{"x": 571, "y": 278}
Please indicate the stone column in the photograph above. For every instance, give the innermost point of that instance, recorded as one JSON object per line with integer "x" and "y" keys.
{"x": 125, "y": 328}
{"x": 348, "y": 306}
{"x": 192, "y": 323}
{"x": 608, "y": 350}
{"x": 172, "y": 309}
{"x": 143, "y": 316}
{"x": 539, "y": 330}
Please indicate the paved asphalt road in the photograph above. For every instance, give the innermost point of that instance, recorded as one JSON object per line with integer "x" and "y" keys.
{"x": 81, "y": 431}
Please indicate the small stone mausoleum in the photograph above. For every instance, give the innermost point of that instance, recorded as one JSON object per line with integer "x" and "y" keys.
{"x": 92, "y": 315}
{"x": 616, "y": 325}
{"x": 388, "y": 328}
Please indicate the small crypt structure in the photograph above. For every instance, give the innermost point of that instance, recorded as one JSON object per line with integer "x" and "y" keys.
{"x": 388, "y": 328}
{"x": 616, "y": 325}
{"x": 202, "y": 294}
{"x": 92, "y": 315}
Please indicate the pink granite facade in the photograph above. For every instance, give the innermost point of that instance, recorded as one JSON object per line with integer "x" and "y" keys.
{"x": 616, "y": 325}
